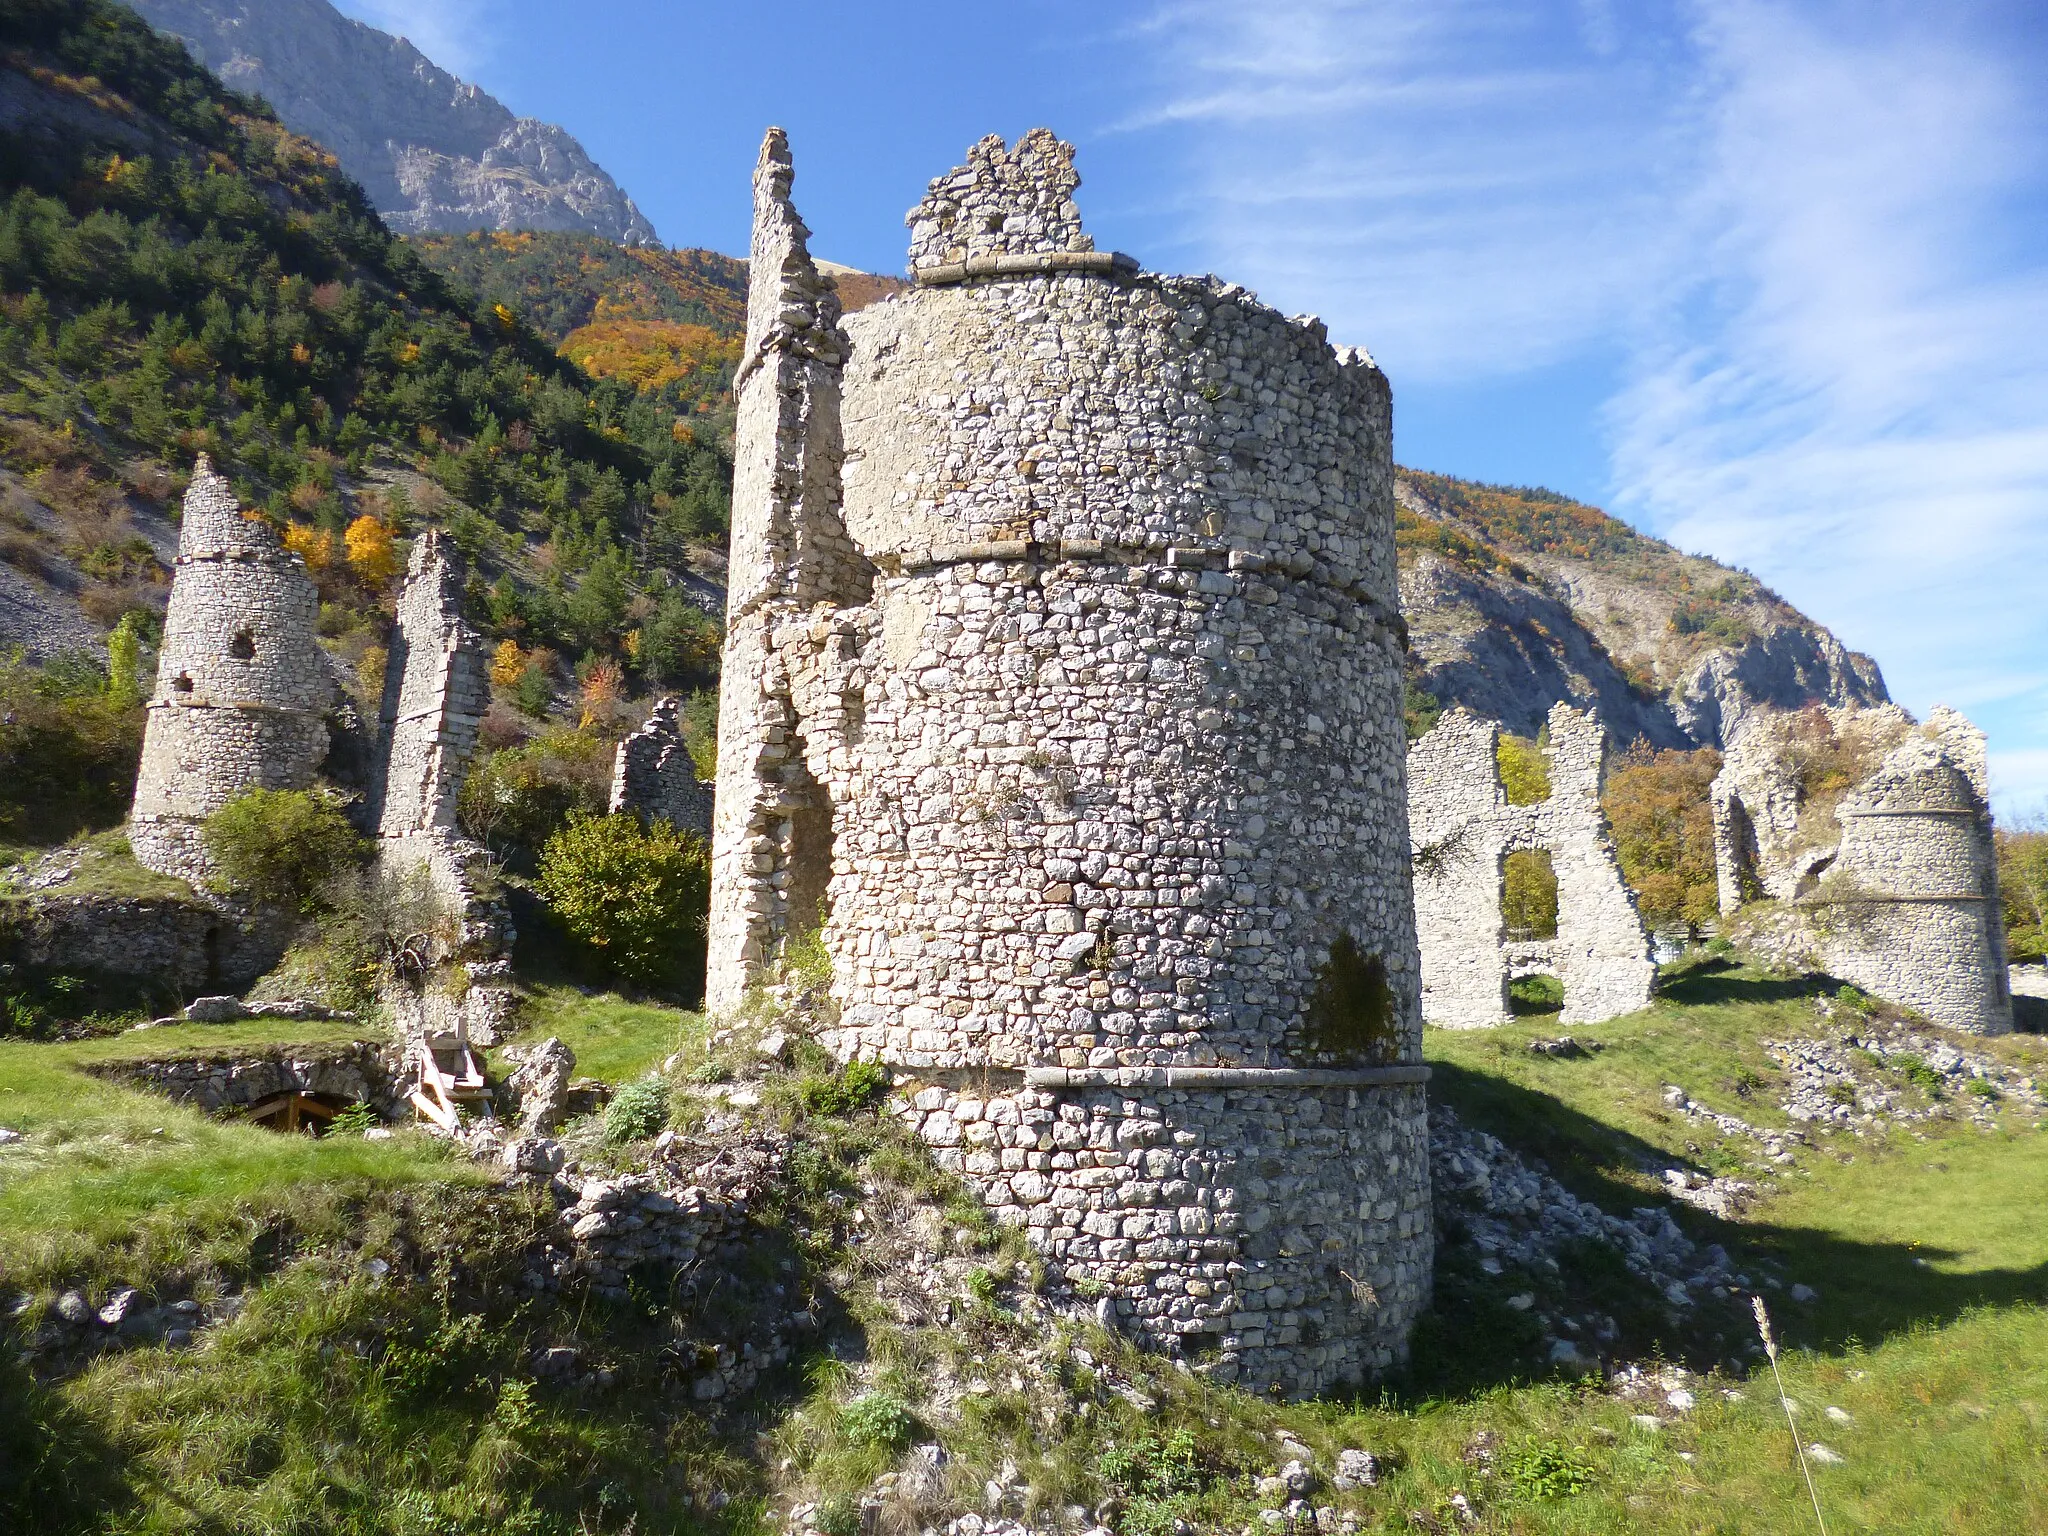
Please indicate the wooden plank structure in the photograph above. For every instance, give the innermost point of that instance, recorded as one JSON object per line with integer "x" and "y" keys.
{"x": 450, "y": 1076}
{"x": 293, "y": 1113}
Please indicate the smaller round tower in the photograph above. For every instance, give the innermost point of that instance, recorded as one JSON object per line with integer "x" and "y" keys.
{"x": 242, "y": 686}
{"x": 1909, "y": 909}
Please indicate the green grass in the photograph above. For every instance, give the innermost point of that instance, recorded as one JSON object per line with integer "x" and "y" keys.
{"x": 108, "y": 868}
{"x": 108, "y": 1171}
{"x": 340, "y": 1403}
{"x": 614, "y": 1040}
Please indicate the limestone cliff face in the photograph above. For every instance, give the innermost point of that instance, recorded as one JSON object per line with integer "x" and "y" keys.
{"x": 432, "y": 151}
{"x": 1518, "y": 600}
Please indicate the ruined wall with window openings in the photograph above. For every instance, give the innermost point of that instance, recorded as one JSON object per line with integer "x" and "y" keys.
{"x": 1465, "y": 830}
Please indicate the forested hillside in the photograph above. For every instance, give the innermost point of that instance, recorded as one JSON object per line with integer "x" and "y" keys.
{"x": 667, "y": 322}
{"x": 181, "y": 275}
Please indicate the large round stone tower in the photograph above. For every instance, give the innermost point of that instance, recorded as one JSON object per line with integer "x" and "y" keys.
{"x": 242, "y": 686}
{"x": 1064, "y": 688}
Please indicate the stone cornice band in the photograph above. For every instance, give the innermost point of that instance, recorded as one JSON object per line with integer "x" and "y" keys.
{"x": 1302, "y": 567}
{"x": 1225, "y": 1077}
{"x": 1028, "y": 264}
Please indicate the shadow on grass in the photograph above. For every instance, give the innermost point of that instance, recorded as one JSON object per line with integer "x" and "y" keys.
{"x": 1471, "y": 1339}
{"x": 58, "y": 1472}
{"x": 1713, "y": 982}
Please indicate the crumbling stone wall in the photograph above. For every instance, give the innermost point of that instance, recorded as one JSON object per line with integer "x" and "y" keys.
{"x": 361, "y": 1072}
{"x": 654, "y": 775}
{"x": 185, "y": 945}
{"x": 1903, "y": 899}
{"x": 242, "y": 684}
{"x": 436, "y": 690}
{"x": 1063, "y": 680}
{"x": 1464, "y": 829}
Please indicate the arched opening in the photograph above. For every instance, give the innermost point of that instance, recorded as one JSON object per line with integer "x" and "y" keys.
{"x": 243, "y": 646}
{"x": 183, "y": 682}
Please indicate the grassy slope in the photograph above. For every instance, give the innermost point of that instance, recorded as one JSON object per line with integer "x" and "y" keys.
{"x": 1945, "y": 1393}
{"x": 614, "y": 1040}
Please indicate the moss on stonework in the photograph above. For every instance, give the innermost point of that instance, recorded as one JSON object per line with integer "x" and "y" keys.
{"x": 1351, "y": 1012}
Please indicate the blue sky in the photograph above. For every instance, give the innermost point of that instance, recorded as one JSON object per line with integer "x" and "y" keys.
{"x": 1767, "y": 278}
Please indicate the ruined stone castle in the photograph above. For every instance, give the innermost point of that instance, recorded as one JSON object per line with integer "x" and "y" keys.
{"x": 246, "y": 699}
{"x": 1872, "y": 836}
{"x": 1465, "y": 830}
{"x": 1063, "y": 700}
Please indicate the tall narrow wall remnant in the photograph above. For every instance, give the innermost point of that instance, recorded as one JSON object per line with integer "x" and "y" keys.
{"x": 242, "y": 684}
{"x": 654, "y": 774}
{"x": 1464, "y": 831}
{"x": 1887, "y": 873}
{"x": 436, "y": 689}
{"x": 1063, "y": 685}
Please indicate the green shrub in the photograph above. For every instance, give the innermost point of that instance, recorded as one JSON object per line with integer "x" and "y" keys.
{"x": 1548, "y": 1471}
{"x": 281, "y": 846}
{"x": 859, "y": 1085}
{"x": 354, "y": 1120}
{"x": 1919, "y": 1074}
{"x": 805, "y": 960}
{"x": 373, "y": 926}
{"x": 838, "y": 1515}
{"x": 876, "y": 1418}
{"x": 637, "y": 1111}
{"x": 515, "y": 800}
{"x": 634, "y": 896}
{"x": 68, "y": 749}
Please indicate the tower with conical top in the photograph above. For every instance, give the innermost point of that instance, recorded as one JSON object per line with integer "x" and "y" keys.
{"x": 1063, "y": 700}
{"x": 242, "y": 689}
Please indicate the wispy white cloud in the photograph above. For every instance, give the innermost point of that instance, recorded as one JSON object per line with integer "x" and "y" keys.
{"x": 1469, "y": 187}
{"x": 1847, "y": 392}
{"x": 452, "y": 33}
{"x": 1814, "y": 228}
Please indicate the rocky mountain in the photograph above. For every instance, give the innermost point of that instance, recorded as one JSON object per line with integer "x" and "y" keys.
{"x": 1517, "y": 598}
{"x": 432, "y": 151}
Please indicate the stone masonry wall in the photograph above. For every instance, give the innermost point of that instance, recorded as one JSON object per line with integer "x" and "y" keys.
{"x": 242, "y": 685}
{"x": 654, "y": 775}
{"x": 362, "y": 1072}
{"x": 1910, "y": 910}
{"x": 1067, "y": 689}
{"x": 1464, "y": 828}
{"x": 187, "y": 946}
{"x": 436, "y": 690}
{"x": 1897, "y": 890}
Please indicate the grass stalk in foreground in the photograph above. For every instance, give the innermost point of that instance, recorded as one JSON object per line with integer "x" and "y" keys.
{"x": 1763, "y": 1329}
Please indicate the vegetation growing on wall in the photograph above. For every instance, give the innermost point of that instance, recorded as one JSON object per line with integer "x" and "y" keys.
{"x": 1351, "y": 1012}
